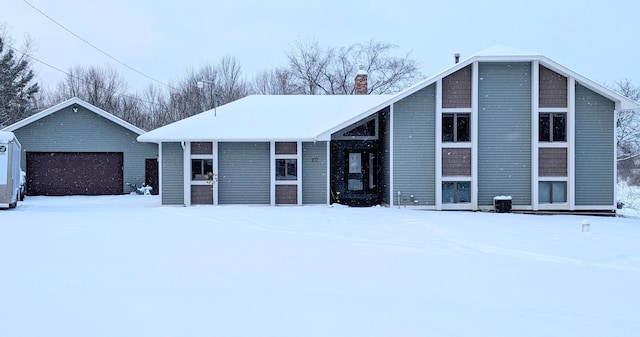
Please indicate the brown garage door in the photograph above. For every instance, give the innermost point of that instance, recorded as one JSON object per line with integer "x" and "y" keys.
{"x": 74, "y": 173}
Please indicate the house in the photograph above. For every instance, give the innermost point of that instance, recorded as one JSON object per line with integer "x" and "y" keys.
{"x": 502, "y": 123}
{"x": 75, "y": 148}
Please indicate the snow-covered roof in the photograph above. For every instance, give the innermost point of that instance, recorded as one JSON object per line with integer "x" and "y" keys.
{"x": 6, "y": 136}
{"x": 70, "y": 102}
{"x": 271, "y": 117}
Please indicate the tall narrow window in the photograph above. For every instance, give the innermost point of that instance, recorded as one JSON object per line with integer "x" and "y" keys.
{"x": 552, "y": 127}
{"x": 456, "y": 127}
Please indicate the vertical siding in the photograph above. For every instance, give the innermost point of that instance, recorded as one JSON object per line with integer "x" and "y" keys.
{"x": 552, "y": 162}
{"x": 456, "y": 89}
{"x": 244, "y": 173}
{"x": 172, "y": 174}
{"x": 314, "y": 173}
{"x": 504, "y": 132}
{"x": 594, "y": 163}
{"x": 414, "y": 146}
{"x": 456, "y": 162}
{"x": 553, "y": 89}
{"x": 86, "y": 131}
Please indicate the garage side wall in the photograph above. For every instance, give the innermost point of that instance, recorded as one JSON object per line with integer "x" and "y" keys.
{"x": 85, "y": 131}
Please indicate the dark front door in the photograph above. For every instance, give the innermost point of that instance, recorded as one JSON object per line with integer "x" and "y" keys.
{"x": 355, "y": 173}
{"x": 151, "y": 175}
{"x": 74, "y": 173}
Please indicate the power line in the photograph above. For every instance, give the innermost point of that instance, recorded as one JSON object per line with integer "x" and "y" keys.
{"x": 93, "y": 46}
{"x": 76, "y": 77}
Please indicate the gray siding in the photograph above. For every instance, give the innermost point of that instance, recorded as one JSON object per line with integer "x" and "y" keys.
{"x": 172, "y": 172}
{"x": 243, "y": 173}
{"x": 86, "y": 131}
{"x": 594, "y": 149}
{"x": 414, "y": 146}
{"x": 504, "y": 132}
{"x": 314, "y": 173}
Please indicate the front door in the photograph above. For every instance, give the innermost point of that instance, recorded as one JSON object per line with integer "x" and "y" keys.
{"x": 361, "y": 169}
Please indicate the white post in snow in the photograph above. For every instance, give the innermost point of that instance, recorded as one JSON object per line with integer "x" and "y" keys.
{"x": 585, "y": 226}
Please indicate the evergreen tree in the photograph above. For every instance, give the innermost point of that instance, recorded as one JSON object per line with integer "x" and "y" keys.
{"x": 16, "y": 89}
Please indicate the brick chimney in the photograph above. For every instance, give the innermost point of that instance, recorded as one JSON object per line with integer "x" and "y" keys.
{"x": 361, "y": 87}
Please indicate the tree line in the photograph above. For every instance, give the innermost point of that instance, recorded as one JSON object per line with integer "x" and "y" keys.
{"x": 311, "y": 69}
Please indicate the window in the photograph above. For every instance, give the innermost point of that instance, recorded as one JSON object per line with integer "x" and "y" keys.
{"x": 455, "y": 127}
{"x": 286, "y": 169}
{"x": 550, "y": 192}
{"x": 552, "y": 127}
{"x": 201, "y": 169}
{"x": 454, "y": 192}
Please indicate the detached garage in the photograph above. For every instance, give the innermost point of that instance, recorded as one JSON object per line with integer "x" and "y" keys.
{"x": 75, "y": 148}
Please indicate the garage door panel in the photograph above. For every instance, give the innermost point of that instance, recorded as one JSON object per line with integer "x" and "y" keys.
{"x": 74, "y": 173}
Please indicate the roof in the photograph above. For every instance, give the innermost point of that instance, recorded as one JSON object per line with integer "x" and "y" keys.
{"x": 271, "y": 117}
{"x": 316, "y": 117}
{"x": 68, "y": 103}
{"x": 500, "y": 53}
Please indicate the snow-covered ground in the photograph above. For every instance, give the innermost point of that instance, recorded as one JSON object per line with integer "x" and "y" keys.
{"x": 126, "y": 266}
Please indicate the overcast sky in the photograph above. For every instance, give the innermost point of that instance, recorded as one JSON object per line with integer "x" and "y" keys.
{"x": 597, "y": 39}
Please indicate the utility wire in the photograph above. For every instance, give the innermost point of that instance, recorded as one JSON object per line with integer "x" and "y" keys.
{"x": 96, "y": 48}
{"x": 77, "y": 78}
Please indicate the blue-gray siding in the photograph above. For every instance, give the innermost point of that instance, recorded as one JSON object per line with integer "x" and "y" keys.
{"x": 86, "y": 131}
{"x": 314, "y": 173}
{"x": 594, "y": 149}
{"x": 504, "y": 132}
{"x": 414, "y": 146}
{"x": 244, "y": 173}
{"x": 172, "y": 174}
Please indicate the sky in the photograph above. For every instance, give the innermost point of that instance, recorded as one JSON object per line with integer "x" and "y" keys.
{"x": 164, "y": 39}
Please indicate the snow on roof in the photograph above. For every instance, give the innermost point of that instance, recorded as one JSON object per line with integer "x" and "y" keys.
{"x": 6, "y": 136}
{"x": 504, "y": 51}
{"x": 270, "y": 117}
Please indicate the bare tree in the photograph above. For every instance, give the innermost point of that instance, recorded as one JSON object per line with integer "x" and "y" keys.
{"x": 221, "y": 84}
{"x": 628, "y": 134}
{"x": 330, "y": 71}
{"x": 274, "y": 82}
